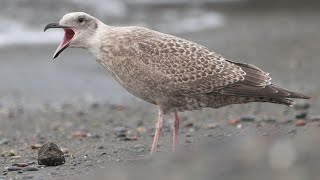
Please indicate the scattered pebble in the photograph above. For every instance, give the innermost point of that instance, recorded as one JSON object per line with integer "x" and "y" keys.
{"x": 79, "y": 135}
{"x": 64, "y": 150}
{"x": 188, "y": 135}
{"x": 4, "y": 141}
{"x": 21, "y": 164}
{"x": 248, "y": 118}
{"x": 30, "y": 168}
{"x": 36, "y": 146}
{"x": 31, "y": 163}
{"x": 9, "y": 153}
{"x": 188, "y": 125}
{"x": 315, "y": 118}
{"x": 269, "y": 119}
{"x": 14, "y": 168}
{"x": 302, "y": 115}
{"x": 141, "y": 150}
{"x": 50, "y": 155}
{"x": 187, "y": 141}
{"x": 212, "y": 125}
{"x": 100, "y": 147}
{"x": 233, "y": 121}
{"x": 120, "y": 131}
{"x": 15, "y": 157}
{"x": 141, "y": 130}
{"x": 300, "y": 122}
{"x": 239, "y": 126}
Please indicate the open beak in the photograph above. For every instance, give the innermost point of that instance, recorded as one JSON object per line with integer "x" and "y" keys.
{"x": 68, "y": 36}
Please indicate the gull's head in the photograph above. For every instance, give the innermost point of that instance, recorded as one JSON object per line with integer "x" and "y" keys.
{"x": 79, "y": 28}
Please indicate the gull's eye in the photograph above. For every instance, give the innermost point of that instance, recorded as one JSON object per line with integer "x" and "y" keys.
{"x": 80, "y": 19}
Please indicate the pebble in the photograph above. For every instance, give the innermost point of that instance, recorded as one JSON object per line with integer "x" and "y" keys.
{"x": 15, "y": 157}
{"x": 30, "y": 168}
{"x": 31, "y": 163}
{"x": 142, "y": 130}
{"x": 187, "y": 141}
{"x": 141, "y": 150}
{"x": 233, "y": 121}
{"x": 120, "y": 131}
{"x": 188, "y": 135}
{"x": 100, "y": 147}
{"x": 36, "y": 146}
{"x": 4, "y": 141}
{"x": 269, "y": 119}
{"x": 50, "y": 155}
{"x": 79, "y": 135}
{"x": 300, "y": 122}
{"x": 302, "y": 115}
{"x": 239, "y": 126}
{"x": 14, "y": 168}
{"x": 212, "y": 125}
{"x": 9, "y": 153}
{"x": 315, "y": 118}
{"x": 21, "y": 164}
{"x": 248, "y": 118}
{"x": 64, "y": 150}
{"x": 188, "y": 125}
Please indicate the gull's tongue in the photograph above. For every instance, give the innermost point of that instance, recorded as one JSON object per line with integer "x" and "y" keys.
{"x": 68, "y": 35}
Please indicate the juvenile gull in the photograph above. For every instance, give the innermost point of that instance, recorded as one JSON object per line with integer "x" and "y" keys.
{"x": 173, "y": 73}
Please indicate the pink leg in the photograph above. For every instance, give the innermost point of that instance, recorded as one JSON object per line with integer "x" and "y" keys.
{"x": 175, "y": 131}
{"x": 157, "y": 133}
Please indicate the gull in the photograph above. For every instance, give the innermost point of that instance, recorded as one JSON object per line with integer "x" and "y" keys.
{"x": 172, "y": 73}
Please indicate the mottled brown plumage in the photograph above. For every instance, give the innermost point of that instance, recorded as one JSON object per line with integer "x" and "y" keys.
{"x": 173, "y": 73}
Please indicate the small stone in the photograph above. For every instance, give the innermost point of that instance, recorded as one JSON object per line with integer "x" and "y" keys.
{"x": 50, "y": 155}
{"x": 233, "y": 122}
{"x": 64, "y": 150}
{"x": 4, "y": 173}
{"x": 141, "y": 130}
{"x": 15, "y": 157}
{"x": 9, "y": 153}
{"x": 14, "y": 168}
{"x": 36, "y": 146}
{"x": 302, "y": 115}
{"x": 21, "y": 164}
{"x": 212, "y": 125}
{"x": 188, "y": 135}
{"x": 4, "y": 141}
{"x": 300, "y": 122}
{"x": 120, "y": 131}
{"x": 79, "y": 135}
{"x": 20, "y": 171}
{"x": 301, "y": 106}
{"x": 31, "y": 163}
{"x": 188, "y": 125}
{"x": 31, "y": 168}
{"x": 268, "y": 119}
{"x": 187, "y": 141}
{"x": 103, "y": 153}
{"x": 239, "y": 126}
{"x": 315, "y": 118}
{"x": 141, "y": 150}
{"x": 100, "y": 147}
{"x": 248, "y": 118}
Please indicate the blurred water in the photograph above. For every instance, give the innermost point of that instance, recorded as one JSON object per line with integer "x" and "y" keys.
{"x": 281, "y": 40}
{"x": 24, "y": 26}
